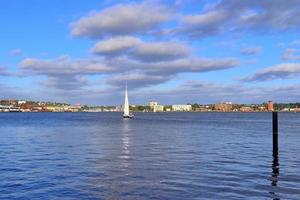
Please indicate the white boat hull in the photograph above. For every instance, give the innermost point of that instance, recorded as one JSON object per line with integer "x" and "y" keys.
{"x": 128, "y": 116}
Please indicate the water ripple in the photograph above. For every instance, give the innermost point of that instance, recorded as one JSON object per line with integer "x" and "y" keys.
{"x": 155, "y": 156}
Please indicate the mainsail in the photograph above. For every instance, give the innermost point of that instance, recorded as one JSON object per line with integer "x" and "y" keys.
{"x": 126, "y": 103}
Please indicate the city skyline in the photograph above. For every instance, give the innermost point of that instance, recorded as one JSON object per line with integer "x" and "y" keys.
{"x": 172, "y": 51}
{"x": 151, "y": 106}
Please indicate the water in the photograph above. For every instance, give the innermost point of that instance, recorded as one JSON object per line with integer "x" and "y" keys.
{"x": 154, "y": 156}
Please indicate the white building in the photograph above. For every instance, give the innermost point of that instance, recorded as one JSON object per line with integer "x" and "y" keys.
{"x": 152, "y": 104}
{"x": 181, "y": 107}
{"x": 158, "y": 108}
{"x": 21, "y": 102}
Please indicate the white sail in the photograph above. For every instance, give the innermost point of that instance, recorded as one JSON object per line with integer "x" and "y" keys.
{"x": 126, "y": 103}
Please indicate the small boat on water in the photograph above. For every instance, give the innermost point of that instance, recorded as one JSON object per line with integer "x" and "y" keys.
{"x": 127, "y": 113}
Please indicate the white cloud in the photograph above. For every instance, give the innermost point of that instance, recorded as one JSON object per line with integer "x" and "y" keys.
{"x": 173, "y": 67}
{"x": 115, "y": 45}
{"x": 211, "y": 92}
{"x": 212, "y": 17}
{"x": 193, "y": 65}
{"x": 8, "y": 91}
{"x": 160, "y": 51}
{"x": 280, "y": 71}
{"x": 202, "y": 25}
{"x": 295, "y": 42}
{"x": 4, "y": 71}
{"x": 291, "y": 54}
{"x": 63, "y": 72}
{"x": 137, "y": 79}
{"x": 254, "y": 50}
{"x": 16, "y": 52}
{"x": 65, "y": 82}
{"x": 64, "y": 66}
{"x": 238, "y": 16}
{"x": 122, "y": 19}
{"x": 143, "y": 51}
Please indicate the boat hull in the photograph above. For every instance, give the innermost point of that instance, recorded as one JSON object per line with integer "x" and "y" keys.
{"x": 127, "y": 116}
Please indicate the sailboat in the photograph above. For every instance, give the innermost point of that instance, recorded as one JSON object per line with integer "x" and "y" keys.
{"x": 126, "y": 113}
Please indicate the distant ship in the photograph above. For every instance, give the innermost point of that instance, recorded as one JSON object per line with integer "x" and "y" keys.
{"x": 126, "y": 113}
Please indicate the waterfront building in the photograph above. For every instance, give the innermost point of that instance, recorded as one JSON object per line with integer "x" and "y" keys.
{"x": 158, "y": 108}
{"x": 223, "y": 107}
{"x": 4, "y": 108}
{"x": 261, "y": 108}
{"x": 41, "y": 103}
{"x": 54, "y": 108}
{"x": 152, "y": 104}
{"x": 9, "y": 102}
{"x": 285, "y": 110}
{"x": 74, "y": 108}
{"x": 182, "y": 107}
{"x": 246, "y": 109}
{"x": 39, "y": 109}
{"x": 21, "y": 102}
{"x": 294, "y": 109}
{"x": 270, "y": 106}
{"x": 203, "y": 109}
{"x": 93, "y": 110}
{"x": 10, "y": 108}
{"x": 120, "y": 108}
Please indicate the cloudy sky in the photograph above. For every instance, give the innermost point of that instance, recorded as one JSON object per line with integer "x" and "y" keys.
{"x": 177, "y": 51}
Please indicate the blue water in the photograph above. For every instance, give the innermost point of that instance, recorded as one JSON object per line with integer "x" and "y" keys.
{"x": 154, "y": 156}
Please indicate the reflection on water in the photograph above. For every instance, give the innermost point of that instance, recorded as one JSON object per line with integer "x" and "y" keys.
{"x": 275, "y": 171}
{"x": 125, "y": 143}
{"x": 275, "y": 174}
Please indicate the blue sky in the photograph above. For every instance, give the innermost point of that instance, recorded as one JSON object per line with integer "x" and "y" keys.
{"x": 171, "y": 51}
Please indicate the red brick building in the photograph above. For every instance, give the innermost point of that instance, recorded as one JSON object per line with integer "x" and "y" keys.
{"x": 270, "y": 106}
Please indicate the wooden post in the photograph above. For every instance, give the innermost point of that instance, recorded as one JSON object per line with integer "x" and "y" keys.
{"x": 275, "y": 132}
{"x": 275, "y": 163}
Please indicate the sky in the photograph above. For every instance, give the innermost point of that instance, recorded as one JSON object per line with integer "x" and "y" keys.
{"x": 180, "y": 51}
